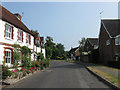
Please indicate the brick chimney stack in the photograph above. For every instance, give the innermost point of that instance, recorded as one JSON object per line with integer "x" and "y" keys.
{"x": 18, "y": 16}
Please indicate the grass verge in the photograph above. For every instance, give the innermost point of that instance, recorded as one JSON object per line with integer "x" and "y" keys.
{"x": 115, "y": 69}
{"x": 113, "y": 79}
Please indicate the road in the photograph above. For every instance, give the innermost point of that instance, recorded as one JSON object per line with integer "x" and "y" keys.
{"x": 61, "y": 75}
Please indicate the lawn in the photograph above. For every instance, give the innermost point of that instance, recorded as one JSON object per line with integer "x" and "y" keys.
{"x": 113, "y": 79}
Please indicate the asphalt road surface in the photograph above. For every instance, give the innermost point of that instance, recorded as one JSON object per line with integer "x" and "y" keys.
{"x": 61, "y": 75}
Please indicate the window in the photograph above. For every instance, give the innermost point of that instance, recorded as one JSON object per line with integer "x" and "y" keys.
{"x": 117, "y": 40}
{"x": 8, "y": 31}
{"x": 20, "y": 35}
{"x": 7, "y": 56}
{"x": 28, "y": 38}
{"x": 108, "y": 42}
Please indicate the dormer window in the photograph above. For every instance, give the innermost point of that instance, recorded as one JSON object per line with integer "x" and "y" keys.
{"x": 117, "y": 40}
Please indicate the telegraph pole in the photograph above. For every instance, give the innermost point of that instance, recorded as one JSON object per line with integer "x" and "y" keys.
{"x": 101, "y": 14}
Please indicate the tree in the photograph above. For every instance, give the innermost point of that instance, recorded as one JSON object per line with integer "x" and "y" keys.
{"x": 49, "y": 46}
{"x": 60, "y": 49}
{"x": 49, "y": 42}
{"x": 34, "y": 31}
{"x": 81, "y": 47}
{"x": 54, "y": 51}
{"x": 65, "y": 55}
{"x": 48, "y": 52}
{"x": 81, "y": 44}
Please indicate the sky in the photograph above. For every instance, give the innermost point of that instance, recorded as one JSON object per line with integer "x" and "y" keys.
{"x": 65, "y": 22}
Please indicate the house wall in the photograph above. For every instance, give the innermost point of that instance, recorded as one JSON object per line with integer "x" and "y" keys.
{"x": 116, "y": 48}
{"x": 43, "y": 51}
{"x": 4, "y": 42}
{"x": 105, "y": 51}
{"x": 38, "y": 49}
{"x": 77, "y": 53}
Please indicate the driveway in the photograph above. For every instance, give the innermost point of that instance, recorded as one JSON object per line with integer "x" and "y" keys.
{"x": 61, "y": 75}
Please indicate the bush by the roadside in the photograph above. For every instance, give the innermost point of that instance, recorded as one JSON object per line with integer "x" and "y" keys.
{"x": 35, "y": 65}
{"x": 5, "y": 72}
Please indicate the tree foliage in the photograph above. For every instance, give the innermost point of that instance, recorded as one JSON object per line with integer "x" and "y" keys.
{"x": 49, "y": 46}
{"x": 81, "y": 44}
{"x": 53, "y": 50}
{"x": 26, "y": 56}
{"x": 81, "y": 47}
{"x": 16, "y": 55}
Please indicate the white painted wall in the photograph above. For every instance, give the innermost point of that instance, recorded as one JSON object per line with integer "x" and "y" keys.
{"x": 44, "y": 53}
{"x": 38, "y": 49}
{"x": 11, "y": 41}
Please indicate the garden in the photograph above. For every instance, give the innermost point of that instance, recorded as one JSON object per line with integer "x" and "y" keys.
{"x": 26, "y": 67}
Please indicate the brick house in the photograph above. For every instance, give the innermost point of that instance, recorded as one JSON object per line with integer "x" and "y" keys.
{"x": 90, "y": 44}
{"x": 109, "y": 40}
{"x": 74, "y": 53}
{"x": 13, "y": 31}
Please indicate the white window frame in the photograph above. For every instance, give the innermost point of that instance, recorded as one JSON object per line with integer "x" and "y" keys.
{"x": 8, "y": 31}
{"x": 28, "y": 38}
{"x": 20, "y": 35}
{"x": 8, "y": 56}
{"x": 108, "y": 42}
{"x": 117, "y": 40}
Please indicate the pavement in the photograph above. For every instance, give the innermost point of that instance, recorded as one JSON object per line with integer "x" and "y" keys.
{"x": 104, "y": 69}
{"x": 61, "y": 75}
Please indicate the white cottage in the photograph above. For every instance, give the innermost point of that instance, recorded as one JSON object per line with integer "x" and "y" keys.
{"x": 38, "y": 46}
{"x": 13, "y": 31}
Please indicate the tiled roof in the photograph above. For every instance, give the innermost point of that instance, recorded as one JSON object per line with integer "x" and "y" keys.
{"x": 12, "y": 19}
{"x": 112, "y": 26}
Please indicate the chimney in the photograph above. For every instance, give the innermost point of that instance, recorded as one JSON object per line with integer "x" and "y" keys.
{"x": 18, "y": 16}
{"x": 42, "y": 39}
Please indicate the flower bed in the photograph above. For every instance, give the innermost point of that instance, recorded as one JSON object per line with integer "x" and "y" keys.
{"x": 16, "y": 74}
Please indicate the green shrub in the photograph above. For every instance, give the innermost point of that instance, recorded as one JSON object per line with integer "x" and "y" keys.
{"x": 37, "y": 64}
{"x": 40, "y": 56}
{"x": 41, "y": 66}
{"x": 26, "y": 56}
{"x": 47, "y": 63}
{"x": 44, "y": 63}
{"x": 5, "y": 72}
{"x": 33, "y": 64}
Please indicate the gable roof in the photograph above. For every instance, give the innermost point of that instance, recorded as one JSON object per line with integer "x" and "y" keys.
{"x": 93, "y": 41}
{"x": 112, "y": 26}
{"x": 12, "y": 19}
{"x": 73, "y": 49}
